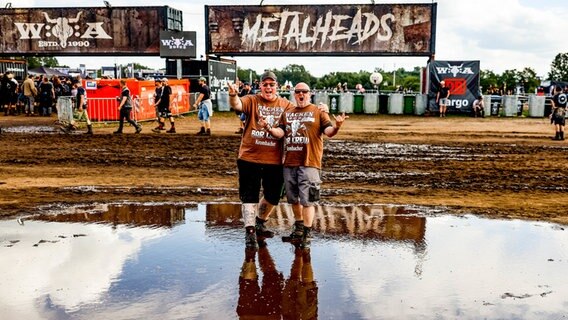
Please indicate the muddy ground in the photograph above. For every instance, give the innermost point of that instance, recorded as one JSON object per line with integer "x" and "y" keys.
{"x": 498, "y": 167}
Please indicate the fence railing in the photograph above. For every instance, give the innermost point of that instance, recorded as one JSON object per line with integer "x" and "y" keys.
{"x": 106, "y": 109}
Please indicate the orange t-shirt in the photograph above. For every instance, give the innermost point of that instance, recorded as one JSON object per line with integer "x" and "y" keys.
{"x": 303, "y": 144}
{"x": 257, "y": 145}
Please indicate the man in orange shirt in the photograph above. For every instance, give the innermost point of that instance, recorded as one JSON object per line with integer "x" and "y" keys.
{"x": 260, "y": 156}
{"x": 303, "y": 127}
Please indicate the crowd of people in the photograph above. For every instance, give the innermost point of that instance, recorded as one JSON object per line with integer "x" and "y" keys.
{"x": 34, "y": 96}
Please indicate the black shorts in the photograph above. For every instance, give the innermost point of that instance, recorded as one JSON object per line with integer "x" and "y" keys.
{"x": 164, "y": 114}
{"x": 558, "y": 119}
{"x": 252, "y": 175}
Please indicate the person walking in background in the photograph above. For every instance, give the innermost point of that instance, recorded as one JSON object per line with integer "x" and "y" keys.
{"x": 303, "y": 127}
{"x": 442, "y": 98}
{"x": 203, "y": 103}
{"x": 559, "y": 102}
{"x": 30, "y": 92}
{"x": 164, "y": 108}
{"x": 81, "y": 103}
{"x": 46, "y": 97}
{"x": 260, "y": 156}
{"x": 157, "y": 95}
{"x": 125, "y": 108}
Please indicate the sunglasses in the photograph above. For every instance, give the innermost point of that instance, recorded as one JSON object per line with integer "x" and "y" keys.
{"x": 301, "y": 91}
{"x": 273, "y": 84}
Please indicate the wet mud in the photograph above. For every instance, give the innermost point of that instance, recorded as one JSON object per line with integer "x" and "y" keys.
{"x": 505, "y": 168}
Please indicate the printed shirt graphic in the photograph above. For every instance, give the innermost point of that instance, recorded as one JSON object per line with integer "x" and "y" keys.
{"x": 257, "y": 145}
{"x": 303, "y": 141}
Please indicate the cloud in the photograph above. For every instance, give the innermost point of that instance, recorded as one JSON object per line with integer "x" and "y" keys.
{"x": 508, "y": 34}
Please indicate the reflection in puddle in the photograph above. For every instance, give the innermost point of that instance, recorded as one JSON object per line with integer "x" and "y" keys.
{"x": 366, "y": 262}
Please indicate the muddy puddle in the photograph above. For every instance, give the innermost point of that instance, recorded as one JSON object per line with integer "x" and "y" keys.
{"x": 31, "y": 129}
{"x": 188, "y": 261}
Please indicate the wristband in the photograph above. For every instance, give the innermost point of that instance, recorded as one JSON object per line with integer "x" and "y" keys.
{"x": 268, "y": 127}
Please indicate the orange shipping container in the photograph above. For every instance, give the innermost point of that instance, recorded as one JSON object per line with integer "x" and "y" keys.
{"x": 103, "y": 105}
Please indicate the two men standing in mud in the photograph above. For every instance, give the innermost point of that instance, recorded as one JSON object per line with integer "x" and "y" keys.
{"x": 269, "y": 118}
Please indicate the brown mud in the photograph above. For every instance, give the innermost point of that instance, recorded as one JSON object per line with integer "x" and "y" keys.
{"x": 496, "y": 167}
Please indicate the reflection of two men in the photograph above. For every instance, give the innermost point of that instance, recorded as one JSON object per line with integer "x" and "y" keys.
{"x": 274, "y": 298}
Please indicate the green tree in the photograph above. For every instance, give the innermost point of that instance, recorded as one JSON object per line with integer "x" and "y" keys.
{"x": 34, "y": 62}
{"x": 509, "y": 80}
{"x": 247, "y": 75}
{"x": 529, "y": 80}
{"x": 488, "y": 80}
{"x": 294, "y": 73}
{"x": 559, "y": 68}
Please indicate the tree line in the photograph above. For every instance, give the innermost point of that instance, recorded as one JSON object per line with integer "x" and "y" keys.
{"x": 409, "y": 80}
{"x": 490, "y": 82}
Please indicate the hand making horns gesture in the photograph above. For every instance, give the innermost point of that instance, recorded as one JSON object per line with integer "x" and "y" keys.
{"x": 233, "y": 88}
{"x": 340, "y": 119}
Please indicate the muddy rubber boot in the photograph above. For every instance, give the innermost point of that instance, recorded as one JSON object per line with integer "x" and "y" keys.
{"x": 89, "y": 129}
{"x": 297, "y": 232}
{"x": 201, "y": 132}
{"x": 561, "y": 135}
{"x": 138, "y": 129}
{"x": 250, "y": 238}
{"x": 261, "y": 230}
{"x": 172, "y": 129}
{"x": 207, "y": 132}
{"x": 306, "y": 238}
{"x": 557, "y": 136}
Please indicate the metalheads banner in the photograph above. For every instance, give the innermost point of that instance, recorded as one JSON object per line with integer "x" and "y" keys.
{"x": 462, "y": 77}
{"x": 382, "y": 29}
{"x": 75, "y": 31}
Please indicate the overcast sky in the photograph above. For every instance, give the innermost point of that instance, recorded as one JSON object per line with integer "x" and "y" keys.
{"x": 502, "y": 34}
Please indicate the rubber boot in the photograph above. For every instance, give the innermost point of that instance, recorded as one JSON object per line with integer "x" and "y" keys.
{"x": 262, "y": 230}
{"x": 250, "y": 238}
{"x": 201, "y": 131}
{"x": 89, "y": 129}
{"x": 207, "y": 132}
{"x": 557, "y": 136}
{"x": 561, "y": 133}
{"x": 306, "y": 238}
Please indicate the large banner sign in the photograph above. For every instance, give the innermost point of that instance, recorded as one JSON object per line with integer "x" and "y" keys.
{"x": 382, "y": 29}
{"x": 461, "y": 77}
{"x": 75, "y": 31}
{"x": 177, "y": 44}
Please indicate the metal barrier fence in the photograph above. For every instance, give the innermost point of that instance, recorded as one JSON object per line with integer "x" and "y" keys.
{"x": 106, "y": 109}
{"x": 64, "y": 107}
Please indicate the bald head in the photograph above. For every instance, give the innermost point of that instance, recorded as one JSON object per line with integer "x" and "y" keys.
{"x": 302, "y": 94}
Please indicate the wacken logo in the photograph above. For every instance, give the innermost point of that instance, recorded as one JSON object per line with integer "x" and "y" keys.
{"x": 177, "y": 43}
{"x": 62, "y": 29}
{"x": 454, "y": 70}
